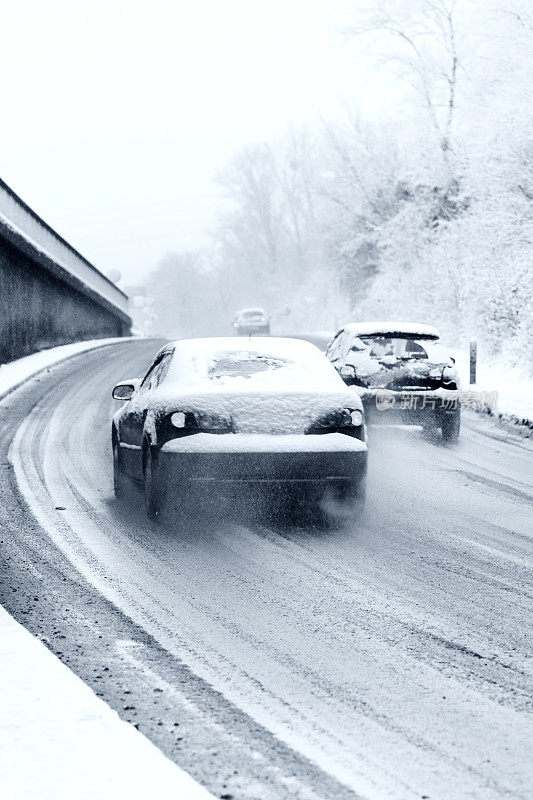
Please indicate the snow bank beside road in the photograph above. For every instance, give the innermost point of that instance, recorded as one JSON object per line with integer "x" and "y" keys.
{"x": 16, "y": 372}
{"x": 58, "y": 741}
{"x": 515, "y": 390}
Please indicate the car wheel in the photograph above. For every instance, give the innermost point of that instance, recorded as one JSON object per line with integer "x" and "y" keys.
{"x": 450, "y": 427}
{"x": 153, "y": 490}
{"x": 120, "y": 481}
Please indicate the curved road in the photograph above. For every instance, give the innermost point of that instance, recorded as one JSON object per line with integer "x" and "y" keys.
{"x": 388, "y": 660}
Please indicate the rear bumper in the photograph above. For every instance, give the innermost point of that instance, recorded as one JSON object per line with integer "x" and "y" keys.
{"x": 262, "y": 459}
{"x": 412, "y": 407}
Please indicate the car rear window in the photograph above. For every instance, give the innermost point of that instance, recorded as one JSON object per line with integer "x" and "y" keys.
{"x": 406, "y": 346}
{"x": 263, "y": 364}
{"x": 398, "y": 335}
{"x": 243, "y": 365}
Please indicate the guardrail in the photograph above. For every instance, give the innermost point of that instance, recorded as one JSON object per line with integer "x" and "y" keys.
{"x": 26, "y": 223}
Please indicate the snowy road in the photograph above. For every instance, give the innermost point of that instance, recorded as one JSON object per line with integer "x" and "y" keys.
{"x": 389, "y": 661}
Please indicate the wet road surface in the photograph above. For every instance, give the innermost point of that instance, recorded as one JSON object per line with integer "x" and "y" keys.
{"x": 384, "y": 660}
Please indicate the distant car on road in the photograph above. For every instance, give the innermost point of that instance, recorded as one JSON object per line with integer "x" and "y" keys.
{"x": 251, "y": 322}
{"x": 402, "y": 372}
{"x": 226, "y": 413}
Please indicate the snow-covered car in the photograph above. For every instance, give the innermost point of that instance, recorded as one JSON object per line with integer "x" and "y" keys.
{"x": 251, "y": 322}
{"x": 225, "y": 413}
{"x": 402, "y": 372}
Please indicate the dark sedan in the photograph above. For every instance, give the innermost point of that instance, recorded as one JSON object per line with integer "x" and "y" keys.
{"x": 402, "y": 373}
{"x": 214, "y": 414}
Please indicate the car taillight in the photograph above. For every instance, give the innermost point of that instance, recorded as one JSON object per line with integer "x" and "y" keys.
{"x": 200, "y": 421}
{"x": 183, "y": 419}
{"x": 356, "y": 417}
{"x": 449, "y": 374}
{"x": 344, "y": 418}
{"x": 212, "y": 422}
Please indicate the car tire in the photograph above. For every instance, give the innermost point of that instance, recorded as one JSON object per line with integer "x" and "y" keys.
{"x": 121, "y": 484}
{"x": 450, "y": 427}
{"x": 153, "y": 488}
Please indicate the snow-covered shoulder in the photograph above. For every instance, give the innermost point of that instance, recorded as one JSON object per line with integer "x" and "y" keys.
{"x": 58, "y": 741}
{"x": 14, "y": 373}
{"x": 507, "y": 389}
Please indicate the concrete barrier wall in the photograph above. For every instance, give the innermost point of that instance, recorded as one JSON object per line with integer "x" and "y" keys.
{"x": 49, "y": 294}
{"x": 20, "y": 217}
{"x": 37, "y": 310}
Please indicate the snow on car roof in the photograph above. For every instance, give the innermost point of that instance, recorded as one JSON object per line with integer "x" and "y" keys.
{"x": 243, "y": 363}
{"x": 390, "y": 328}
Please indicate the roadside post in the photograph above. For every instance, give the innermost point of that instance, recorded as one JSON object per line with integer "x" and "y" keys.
{"x": 473, "y": 360}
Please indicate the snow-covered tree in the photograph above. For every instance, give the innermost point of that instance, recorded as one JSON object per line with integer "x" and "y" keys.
{"x": 427, "y": 214}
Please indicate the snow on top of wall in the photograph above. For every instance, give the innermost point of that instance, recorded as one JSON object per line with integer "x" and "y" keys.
{"x": 43, "y": 241}
{"x": 14, "y": 373}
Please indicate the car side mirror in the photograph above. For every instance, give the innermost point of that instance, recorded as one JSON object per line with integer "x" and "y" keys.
{"x": 125, "y": 389}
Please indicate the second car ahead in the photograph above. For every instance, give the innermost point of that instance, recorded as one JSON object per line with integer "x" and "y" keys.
{"x": 227, "y": 413}
{"x": 402, "y": 372}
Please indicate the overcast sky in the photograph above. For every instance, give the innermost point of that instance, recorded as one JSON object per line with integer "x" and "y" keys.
{"x": 116, "y": 116}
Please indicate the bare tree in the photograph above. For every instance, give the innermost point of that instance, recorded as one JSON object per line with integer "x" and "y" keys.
{"x": 297, "y": 183}
{"x": 418, "y": 39}
{"x": 254, "y": 225}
